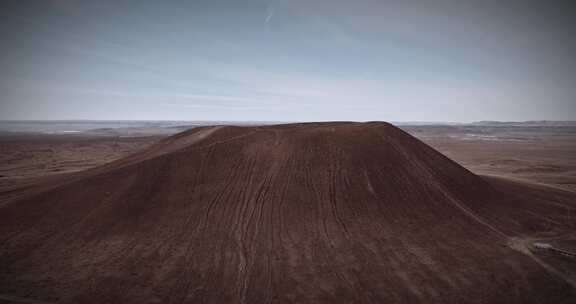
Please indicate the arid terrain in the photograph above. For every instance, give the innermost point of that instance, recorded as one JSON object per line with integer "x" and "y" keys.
{"x": 543, "y": 154}
{"x": 296, "y": 213}
{"x": 538, "y": 154}
{"x": 25, "y": 158}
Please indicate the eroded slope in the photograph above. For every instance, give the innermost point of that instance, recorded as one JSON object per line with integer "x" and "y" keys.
{"x": 302, "y": 213}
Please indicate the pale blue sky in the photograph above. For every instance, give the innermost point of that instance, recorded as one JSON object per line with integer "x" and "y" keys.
{"x": 409, "y": 60}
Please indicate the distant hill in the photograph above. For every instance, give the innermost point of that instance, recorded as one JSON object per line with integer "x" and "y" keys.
{"x": 534, "y": 123}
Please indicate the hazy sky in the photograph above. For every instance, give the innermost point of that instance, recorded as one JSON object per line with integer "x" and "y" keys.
{"x": 288, "y": 60}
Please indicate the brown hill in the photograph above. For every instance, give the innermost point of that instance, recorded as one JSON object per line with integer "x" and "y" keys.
{"x": 300, "y": 213}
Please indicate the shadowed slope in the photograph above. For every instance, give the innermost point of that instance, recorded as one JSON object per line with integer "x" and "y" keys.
{"x": 302, "y": 213}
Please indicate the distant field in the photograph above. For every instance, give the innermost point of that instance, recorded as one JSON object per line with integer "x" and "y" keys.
{"x": 541, "y": 154}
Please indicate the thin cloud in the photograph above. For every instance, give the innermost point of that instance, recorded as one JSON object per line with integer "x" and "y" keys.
{"x": 270, "y": 13}
{"x": 214, "y": 106}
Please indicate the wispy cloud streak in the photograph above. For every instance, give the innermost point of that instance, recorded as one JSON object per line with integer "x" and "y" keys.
{"x": 271, "y": 11}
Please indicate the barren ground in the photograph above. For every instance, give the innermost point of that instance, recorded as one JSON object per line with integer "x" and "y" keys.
{"x": 24, "y": 158}
{"x": 541, "y": 155}
{"x": 302, "y": 213}
{"x": 545, "y": 155}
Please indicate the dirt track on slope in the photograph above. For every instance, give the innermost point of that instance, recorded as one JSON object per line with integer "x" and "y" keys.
{"x": 301, "y": 213}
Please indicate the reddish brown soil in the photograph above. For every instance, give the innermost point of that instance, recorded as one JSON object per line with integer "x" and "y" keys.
{"x": 301, "y": 213}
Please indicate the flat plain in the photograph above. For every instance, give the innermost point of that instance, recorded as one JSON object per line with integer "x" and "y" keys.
{"x": 536, "y": 154}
